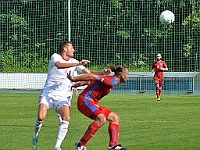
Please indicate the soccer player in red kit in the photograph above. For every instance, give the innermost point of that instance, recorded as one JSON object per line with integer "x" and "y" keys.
{"x": 158, "y": 67}
{"x": 87, "y": 104}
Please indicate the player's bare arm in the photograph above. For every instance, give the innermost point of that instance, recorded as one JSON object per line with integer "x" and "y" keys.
{"x": 106, "y": 71}
{"x": 84, "y": 62}
{"x": 164, "y": 69}
{"x": 84, "y": 77}
{"x": 81, "y": 83}
{"x": 60, "y": 65}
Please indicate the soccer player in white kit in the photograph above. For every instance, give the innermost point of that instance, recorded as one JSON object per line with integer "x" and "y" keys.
{"x": 57, "y": 91}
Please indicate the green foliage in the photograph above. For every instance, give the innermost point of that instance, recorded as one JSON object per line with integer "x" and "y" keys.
{"x": 124, "y": 34}
{"x": 116, "y": 3}
{"x": 33, "y": 62}
{"x": 191, "y": 28}
{"x": 6, "y": 61}
{"x": 26, "y": 62}
{"x": 187, "y": 49}
{"x": 16, "y": 27}
{"x": 106, "y": 31}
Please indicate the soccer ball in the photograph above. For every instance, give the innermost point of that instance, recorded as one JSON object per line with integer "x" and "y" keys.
{"x": 167, "y": 17}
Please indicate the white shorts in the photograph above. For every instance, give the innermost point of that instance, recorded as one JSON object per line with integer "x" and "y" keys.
{"x": 54, "y": 101}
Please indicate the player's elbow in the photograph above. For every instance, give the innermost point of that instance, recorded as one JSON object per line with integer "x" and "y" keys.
{"x": 59, "y": 67}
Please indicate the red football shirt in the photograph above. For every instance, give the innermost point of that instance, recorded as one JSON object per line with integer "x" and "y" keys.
{"x": 157, "y": 65}
{"x": 99, "y": 88}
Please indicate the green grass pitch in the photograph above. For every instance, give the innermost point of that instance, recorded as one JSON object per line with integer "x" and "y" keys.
{"x": 171, "y": 124}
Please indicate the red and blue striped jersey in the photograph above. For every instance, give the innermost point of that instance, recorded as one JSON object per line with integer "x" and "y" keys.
{"x": 99, "y": 88}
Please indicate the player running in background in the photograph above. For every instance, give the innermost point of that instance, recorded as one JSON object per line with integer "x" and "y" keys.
{"x": 57, "y": 91}
{"x": 158, "y": 67}
{"x": 88, "y": 105}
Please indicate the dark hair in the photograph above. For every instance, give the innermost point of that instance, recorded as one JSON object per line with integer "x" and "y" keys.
{"x": 117, "y": 69}
{"x": 63, "y": 44}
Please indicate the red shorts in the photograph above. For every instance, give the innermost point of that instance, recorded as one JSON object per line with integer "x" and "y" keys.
{"x": 158, "y": 80}
{"x": 91, "y": 109}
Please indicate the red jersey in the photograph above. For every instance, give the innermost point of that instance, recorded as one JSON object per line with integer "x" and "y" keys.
{"x": 99, "y": 88}
{"x": 157, "y": 65}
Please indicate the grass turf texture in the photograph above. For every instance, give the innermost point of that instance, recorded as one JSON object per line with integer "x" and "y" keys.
{"x": 171, "y": 124}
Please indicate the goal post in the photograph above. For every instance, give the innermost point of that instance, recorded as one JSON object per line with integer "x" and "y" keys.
{"x": 69, "y": 20}
{"x": 174, "y": 83}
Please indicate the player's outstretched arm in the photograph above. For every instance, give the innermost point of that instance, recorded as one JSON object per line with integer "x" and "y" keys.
{"x": 60, "y": 65}
{"x": 84, "y": 62}
{"x": 84, "y": 77}
{"x": 104, "y": 72}
{"x": 164, "y": 69}
{"x": 81, "y": 83}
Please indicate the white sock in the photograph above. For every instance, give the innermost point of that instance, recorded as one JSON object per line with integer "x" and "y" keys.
{"x": 63, "y": 128}
{"x": 37, "y": 127}
{"x": 59, "y": 117}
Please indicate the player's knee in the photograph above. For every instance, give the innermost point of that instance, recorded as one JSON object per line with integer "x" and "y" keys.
{"x": 41, "y": 117}
{"x": 66, "y": 118}
{"x": 115, "y": 118}
{"x": 101, "y": 119}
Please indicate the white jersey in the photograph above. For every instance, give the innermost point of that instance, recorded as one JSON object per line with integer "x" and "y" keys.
{"x": 57, "y": 84}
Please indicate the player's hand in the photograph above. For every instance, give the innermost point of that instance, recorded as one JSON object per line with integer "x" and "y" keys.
{"x": 107, "y": 71}
{"x": 84, "y": 62}
{"x": 69, "y": 76}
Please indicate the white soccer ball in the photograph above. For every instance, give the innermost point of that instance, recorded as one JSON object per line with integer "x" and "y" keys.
{"x": 167, "y": 17}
